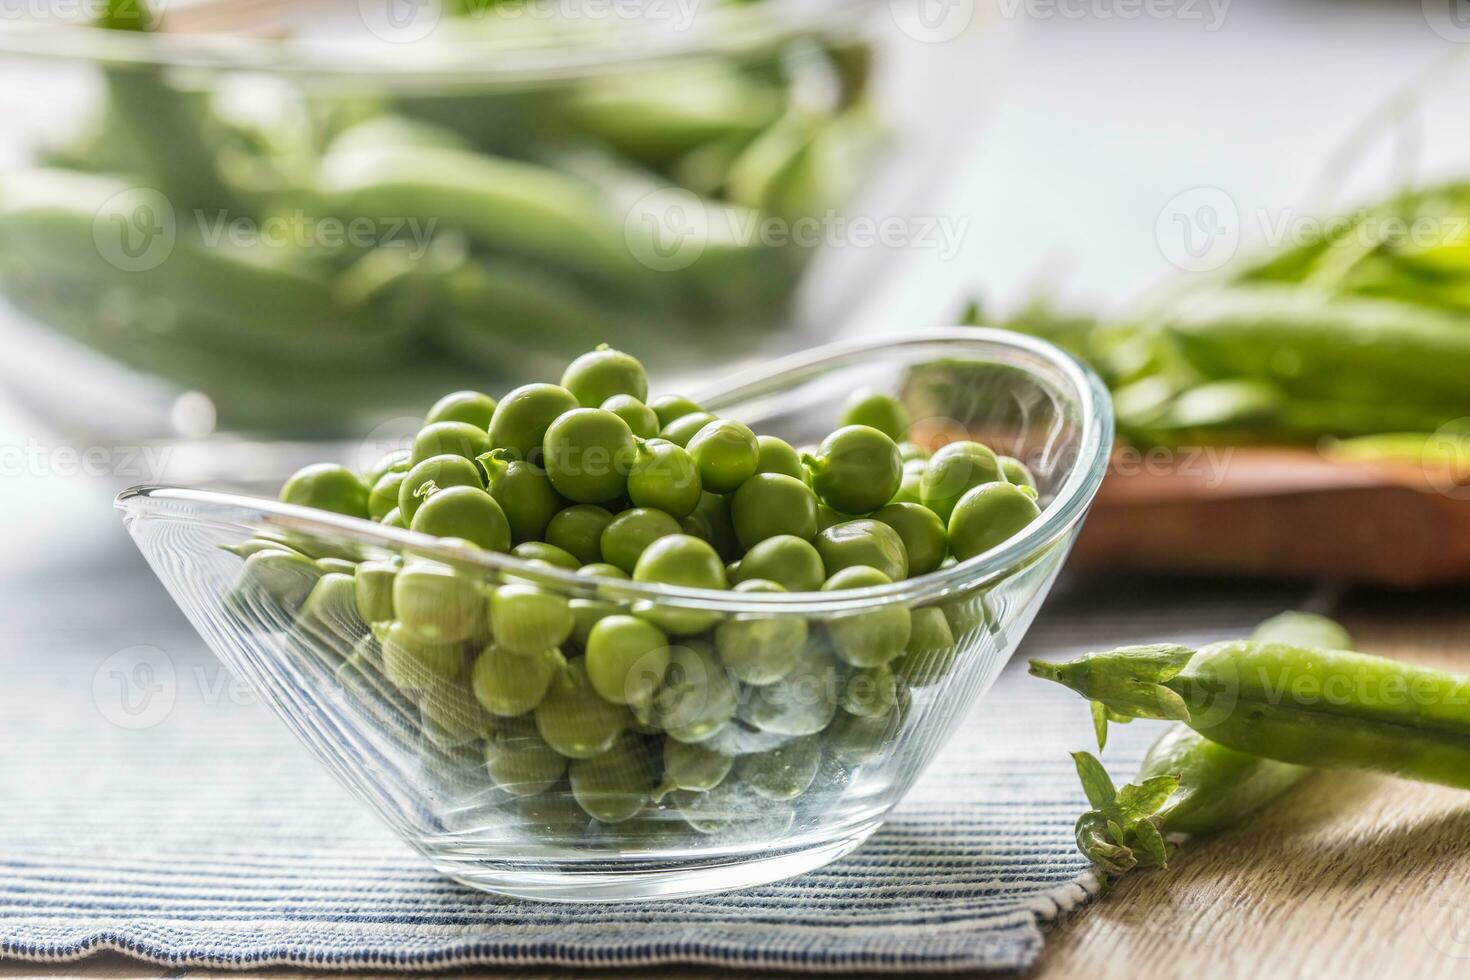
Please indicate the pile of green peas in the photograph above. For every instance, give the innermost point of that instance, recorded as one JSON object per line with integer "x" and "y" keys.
{"x": 627, "y": 707}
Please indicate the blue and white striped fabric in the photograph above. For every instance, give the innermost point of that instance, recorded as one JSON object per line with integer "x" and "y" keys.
{"x": 192, "y": 830}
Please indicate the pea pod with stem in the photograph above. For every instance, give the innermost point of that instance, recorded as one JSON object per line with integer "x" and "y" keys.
{"x": 1188, "y": 784}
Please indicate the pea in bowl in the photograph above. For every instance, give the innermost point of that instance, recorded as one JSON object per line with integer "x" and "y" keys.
{"x": 575, "y": 734}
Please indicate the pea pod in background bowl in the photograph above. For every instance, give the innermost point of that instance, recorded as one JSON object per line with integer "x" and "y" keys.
{"x": 310, "y": 227}
{"x": 770, "y": 738}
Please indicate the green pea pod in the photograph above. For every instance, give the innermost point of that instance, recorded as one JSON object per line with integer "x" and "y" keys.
{"x": 1329, "y": 709}
{"x": 1337, "y": 349}
{"x": 1210, "y": 787}
{"x": 519, "y": 207}
{"x": 163, "y": 123}
{"x": 656, "y": 115}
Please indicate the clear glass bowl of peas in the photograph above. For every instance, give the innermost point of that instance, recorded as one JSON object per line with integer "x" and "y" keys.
{"x": 587, "y": 641}
{"x": 293, "y": 222}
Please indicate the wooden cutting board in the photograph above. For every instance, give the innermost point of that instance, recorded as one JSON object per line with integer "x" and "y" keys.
{"x": 1284, "y": 512}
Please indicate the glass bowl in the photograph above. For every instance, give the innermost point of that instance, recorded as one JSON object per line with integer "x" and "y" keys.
{"x": 297, "y": 228}
{"x": 811, "y": 763}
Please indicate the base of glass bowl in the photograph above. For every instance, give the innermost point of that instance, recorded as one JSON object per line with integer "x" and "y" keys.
{"x": 661, "y": 877}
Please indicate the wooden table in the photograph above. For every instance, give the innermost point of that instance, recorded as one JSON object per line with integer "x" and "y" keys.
{"x": 1352, "y": 877}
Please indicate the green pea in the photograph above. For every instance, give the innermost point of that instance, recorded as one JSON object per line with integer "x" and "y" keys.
{"x": 467, "y": 513}
{"x": 450, "y": 713}
{"x": 691, "y": 766}
{"x": 450, "y": 439}
{"x": 626, "y": 659}
{"x": 524, "y": 492}
{"x": 525, "y": 619}
{"x": 412, "y": 663}
{"x": 629, "y": 534}
{"x": 511, "y": 684}
{"x": 588, "y": 452}
{"x": 602, "y": 569}
{"x": 954, "y": 470}
{"x": 863, "y": 543}
{"x": 394, "y": 518}
{"x": 587, "y": 613}
{"x": 640, "y": 418}
{"x": 869, "y": 692}
{"x": 777, "y": 456}
{"x": 437, "y": 605}
{"x": 441, "y": 471}
{"x": 922, "y": 532}
{"x": 912, "y": 452}
{"x": 384, "y": 495}
{"x": 930, "y": 652}
{"x": 547, "y": 553}
{"x": 856, "y": 469}
{"x": 710, "y": 522}
{"x": 258, "y": 544}
{"x": 1016, "y": 472}
{"x": 520, "y": 762}
{"x": 373, "y": 590}
{"x": 600, "y": 374}
{"x": 616, "y": 785}
{"x": 327, "y": 486}
{"x": 681, "y": 560}
{"x": 522, "y": 417}
{"x": 760, "y": 650}
{"x": 783, "y": 773}
{"x": 910, "y": 488}
{"x": 987, "y": 516}
{"x": 341, "y": 565}
{"x": 725, "y": 453}
{"x": 393, "y": 461}
{"x": 802, "y": 704}
{"x": 574, "y": 720}
{"x": 867, "y": 639}
{"x": 470, "y": 407}
{"x": 329, "y": 612}
{"x": 552, "y": 815}
{"x": 685, "y": 427}
{"x": 286, "y": 578}
{"x": 671, "y": 407}
{"x": 788, "y": 561}
{"x": 966, "y": 614}
{"x": 697, "y": 698}
{"x": 664, "y": 477}
{"x": 877, "y": 411}
{"x": 855, "y": 740}
{"x": 577, "y": 530}
{"x": 769, "y": 504}
{"x": 827, "y": 517}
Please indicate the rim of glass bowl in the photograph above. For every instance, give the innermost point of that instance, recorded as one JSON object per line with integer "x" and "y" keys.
{"x": 1068, "y": 506}
{"x": 730, "y": 30}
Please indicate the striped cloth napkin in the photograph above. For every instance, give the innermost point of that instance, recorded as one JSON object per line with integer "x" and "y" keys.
{"x": 164, "y": 814}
